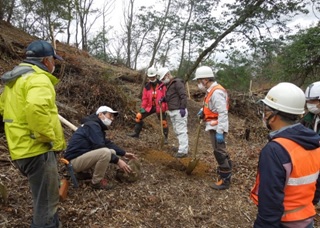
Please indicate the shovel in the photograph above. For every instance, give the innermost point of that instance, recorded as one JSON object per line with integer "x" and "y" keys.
{"x": 194, "y": 161}
{"x": 66, "y": 162}
{"x": 162, "y": 134}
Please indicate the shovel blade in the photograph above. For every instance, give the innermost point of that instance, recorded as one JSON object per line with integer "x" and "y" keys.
{"x": 192, "y": 165}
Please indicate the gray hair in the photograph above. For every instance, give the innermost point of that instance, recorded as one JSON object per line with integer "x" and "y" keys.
{"x": 39, "y": 59}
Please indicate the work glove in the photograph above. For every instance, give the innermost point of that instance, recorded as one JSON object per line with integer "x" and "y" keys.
{"x": 162, "y": 99}
{"x": 182, "y": 112}
{"x": 142, "y": 110}
{"x": 219, "y": 138}
{"x": 200, "y": 114}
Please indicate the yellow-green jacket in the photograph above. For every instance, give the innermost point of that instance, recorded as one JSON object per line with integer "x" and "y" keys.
{"x": 28, "y": 107}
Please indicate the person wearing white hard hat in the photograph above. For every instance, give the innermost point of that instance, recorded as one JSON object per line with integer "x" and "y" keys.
{"x": 287, "y": 184}
{"x": 89, "y": 148}
{"x": 215, "y": 114}
{"x": 176, "y": 98}
{"x": 151, "y": 94}
{"x": 312, "y": 118}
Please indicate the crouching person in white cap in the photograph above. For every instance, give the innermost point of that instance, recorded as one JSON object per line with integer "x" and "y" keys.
{"x": 89, "y": 148}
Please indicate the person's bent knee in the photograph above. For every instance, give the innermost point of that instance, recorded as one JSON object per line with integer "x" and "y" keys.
{"x": 106, "y": 155}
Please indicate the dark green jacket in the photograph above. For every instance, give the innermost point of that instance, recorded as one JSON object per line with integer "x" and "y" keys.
{"x": 309, "y": 121}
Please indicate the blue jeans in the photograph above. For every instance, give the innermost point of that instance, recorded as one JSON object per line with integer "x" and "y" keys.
{"x": 42, "y": 174}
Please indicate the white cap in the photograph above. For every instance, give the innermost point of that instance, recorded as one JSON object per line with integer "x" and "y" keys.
{"x": 106, "y": 109}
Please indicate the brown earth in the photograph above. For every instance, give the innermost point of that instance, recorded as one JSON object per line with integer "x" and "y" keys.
{"x": 164, "y": 196}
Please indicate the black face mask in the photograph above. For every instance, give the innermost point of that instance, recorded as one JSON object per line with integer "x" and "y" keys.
{"x": 266, "y": 122}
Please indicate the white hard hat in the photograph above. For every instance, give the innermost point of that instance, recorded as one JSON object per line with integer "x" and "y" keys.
{"x": 152, "y": 72}
{"x": 162, "y": 72}
{"x": 313, "y": 91}
{"x": 286, "y": 97}
{"x": 204, "y": 72}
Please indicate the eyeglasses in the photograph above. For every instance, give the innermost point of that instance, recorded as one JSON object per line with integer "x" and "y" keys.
{"x": 109, "y": 115}
{"x": 263, "y": 109}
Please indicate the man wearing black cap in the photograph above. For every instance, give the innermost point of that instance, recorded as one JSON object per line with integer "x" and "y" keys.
{"x": 33, "y": 129}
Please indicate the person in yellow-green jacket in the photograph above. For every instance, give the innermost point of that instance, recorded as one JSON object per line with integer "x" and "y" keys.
{"x": 33, "y": 130}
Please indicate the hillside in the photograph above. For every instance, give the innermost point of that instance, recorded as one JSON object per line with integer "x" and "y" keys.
{"x": 164, "y": 196}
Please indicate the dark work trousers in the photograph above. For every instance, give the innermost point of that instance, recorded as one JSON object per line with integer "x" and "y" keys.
{"x": 43, "y": 177}
{"x": 220, "y": 152}
{"x": 152, "y": 111}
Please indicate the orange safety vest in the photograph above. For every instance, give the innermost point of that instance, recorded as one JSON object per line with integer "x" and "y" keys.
{"x": 154, "y": 94}
{"x": 301, "y": 186}
{"x": 208, "y": 114}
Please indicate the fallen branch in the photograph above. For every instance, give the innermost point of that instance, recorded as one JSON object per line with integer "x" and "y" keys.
{"x": 105, "y": 209}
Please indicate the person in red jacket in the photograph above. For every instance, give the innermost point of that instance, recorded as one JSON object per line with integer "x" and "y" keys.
{"x": 287, "y": 183}
{"x": 153, "y": 91}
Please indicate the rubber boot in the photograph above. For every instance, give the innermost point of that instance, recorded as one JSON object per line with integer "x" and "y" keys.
{"x": 223, "y": 181}
{"x": 137, "y": 130}
{"x": 165, "y": 132}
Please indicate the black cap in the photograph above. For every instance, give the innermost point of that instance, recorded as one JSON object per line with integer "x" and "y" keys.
{"x": 41, "y": 48}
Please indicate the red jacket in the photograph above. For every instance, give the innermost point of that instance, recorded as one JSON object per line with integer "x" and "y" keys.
{"x": 151, "y": 96}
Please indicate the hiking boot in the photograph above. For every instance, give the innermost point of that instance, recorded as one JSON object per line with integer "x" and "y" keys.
{"x": 180, "y": 155}
{"x": 221, "y": 184}
{"x": 83, "y": 176}
{"x": 165, "y": 132}
{"x": 137, "y": 130}
{"x": 103, "y": 184}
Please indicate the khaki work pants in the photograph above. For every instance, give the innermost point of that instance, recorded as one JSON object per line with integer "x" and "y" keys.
{"x": 98, "y": 160}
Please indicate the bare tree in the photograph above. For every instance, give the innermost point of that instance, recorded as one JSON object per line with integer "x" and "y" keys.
{"x": 84, "y": 10}
{"x": 70, "y": 10}
{"x": 184, "y": 35}
{"x": 128, "y": 21}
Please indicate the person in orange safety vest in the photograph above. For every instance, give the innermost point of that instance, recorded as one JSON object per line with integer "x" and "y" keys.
{"x": 287, "y": 184}
{"x": 215, "y": 114}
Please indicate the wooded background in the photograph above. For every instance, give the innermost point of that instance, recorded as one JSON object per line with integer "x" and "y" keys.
{"x": 194, "y": 30}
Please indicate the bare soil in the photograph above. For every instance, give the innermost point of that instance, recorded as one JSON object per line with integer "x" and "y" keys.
{"x": 164, "y": 196}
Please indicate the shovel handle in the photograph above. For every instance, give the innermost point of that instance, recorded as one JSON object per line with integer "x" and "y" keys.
{"x": 197, "y": 140}
{"x": 162, "y": 134}
{"x": 66, "y": 122}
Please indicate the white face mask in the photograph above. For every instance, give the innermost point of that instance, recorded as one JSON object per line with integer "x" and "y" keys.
{"x": 201, "y": 86}
{"x": 53, "y": 68}
{"x": 107, "y": 121}
{"x": 154, "y": 80}
{"x": 313, "y": 108}
{"x": 166, "y": 81}
{"x": 265, "y": 122}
